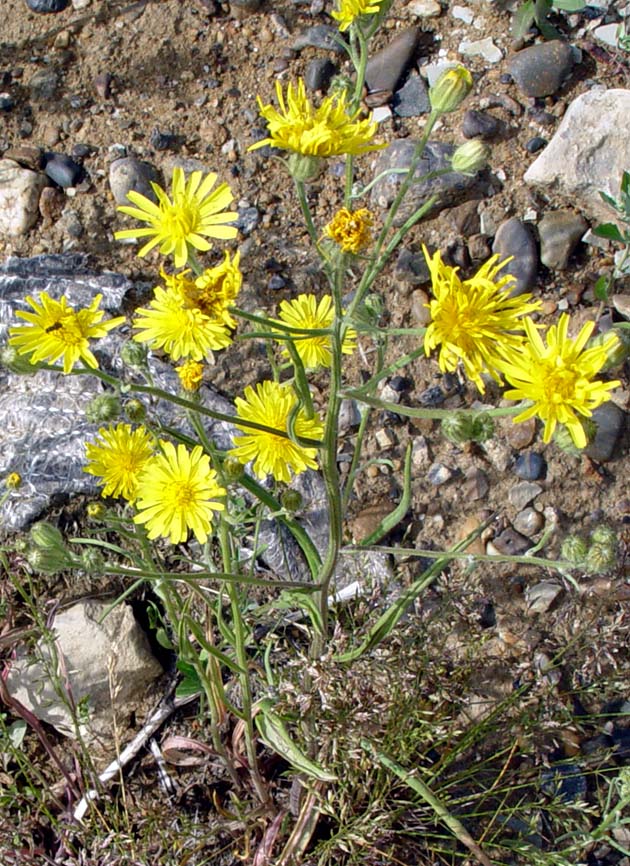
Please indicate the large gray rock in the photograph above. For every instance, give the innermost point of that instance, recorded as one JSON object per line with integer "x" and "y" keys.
{"x": 20, "y": 189}
{"x": 541, "y": 69}
{"x": 589, "y": 152}
{"x": 104, "y": 661}
{"x": 560, "y": 232}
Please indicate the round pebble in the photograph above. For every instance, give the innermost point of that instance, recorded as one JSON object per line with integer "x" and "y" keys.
{"x": 535, "y": 144}
{"x": 62, "y": 170}
{"x": 541, "y": 69}
{"x": 528, "y": 522}
{"x": 318, "y": 73}
{"x": 129, "y": 174}
{"x": 478, "y": 124}
{"x": 530, "y": 466}
{"x": 514, "y": 238}
{"x": 44, "y": 6}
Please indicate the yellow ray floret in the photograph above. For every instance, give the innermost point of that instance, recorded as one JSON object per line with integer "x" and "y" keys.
{"x": 117, "y": 456}
{"x": 350, "y": 10}
{"x": 307, "y": 313}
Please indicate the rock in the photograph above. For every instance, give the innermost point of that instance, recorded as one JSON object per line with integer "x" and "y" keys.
{"x": 465, "y": 218}
{"x": 528, "y": 522}
{"x": 521, "y": 435}
{"x": 106, "y": 662}
{"x": 610, "y": 420}
{"x": 319, "y": 36}
{"x": 20, "y": 189}
{"x": 475, "y": 485}
{"x": 511, "y": 543}
{"x": 244, "y": 8}
{"x": 70, "y": 224}
{"x": 102, "y": 84}
{"x": 369, "y": 518}
{"x": 412, "y": 268}
{"x": 621, "y": 303}
{"x": 530, "y": 466}
{"x": 349, "y": 415}
{"x": 43, "y": 85}
{"x": 248, "y": 219}
{"x": 420, "y": 457}
{"x": 541, "y": 69}
{"x": 608, "y": 34}
{"x": 535, "y": 144}
{"x": 479, "y": 248}
{"x": 128, "y": 174}
{"x": 541, "y": 596}
{"x": 6, "y": 102}
{"x": 51, "y": 204}
{"x": 162, "y": 139}
{"x": 588, "y": 153}
{"x": 479, "y": 124}
{"x": 29, "y": 157}
{"x": 523, "y": 493}
{"x": 439, "y": 474}
{"x": 514, "y": 238}
{"x": 424, "y": 8}
{"x": 463, "y": 13}
{"x": 412, "y": 99}
{"x": 44, "y": 6}
{"x": 449, "y": 188}
{"x": 318, "y": 73}
{"x": 62, "y": 170}
{"x": 481, "y": 48}
{"x": 385, "y": 68}
{"x": 420, "y": 314}
{"x": 560, "y": 232}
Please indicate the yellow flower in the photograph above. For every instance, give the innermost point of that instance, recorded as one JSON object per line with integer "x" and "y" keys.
{"x": 271, "y": 404}
{"x": 557, "y": 377}
{"x": 181, "y": 331}
{"x": 473, "y": 320}
{"x": 13, "y": 481}
{"x": 213, "y": 291}
{"x": 54, "y": 330}
{"x": 177, "y": 493}
{"x": 350, "y": 10}
{"x": 117, "y": 457}
{"x": 182, "y": 225}
{"x": 190, "y": 375}
{"x": 351, "y": 229}
{"x": 317, "y": 132}
{"x": 305, "y": 312}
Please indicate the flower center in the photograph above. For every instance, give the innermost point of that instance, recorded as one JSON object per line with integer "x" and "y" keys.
{"x": 560, "y": 384}
{"x": 180, "y": 220}
{"x": 181, "y": 494}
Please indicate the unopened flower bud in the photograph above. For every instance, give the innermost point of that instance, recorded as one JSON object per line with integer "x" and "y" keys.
{"x": 600, "y": 558}
{"x": 102, "y": 408}
{"x": 95, "y": 510}
{"x": 16, "y": 363}
{"x": 13, "y": 481}
{"x": 292, "y": 500}
{"x": 458, "y": 427}
{"x": 135, "y": 410}
{"x": 340, "y": 85}
{"x": 470, "y": 157}
{"x": 134, "y": 355}
{"x": 48, "y": 561}
{"x": 450, "y": 90}
{"x": 304, "y": 168}
{"x": 603, "y": 534}
{"x": 574, "y": 550}
{"x": 564, "y": 440}
{"x": 482, "y": 427}
{"x": 92, "y": 560}
{"x": 233, "y": 469}
{"x": 617, "y": 349}
{"x": 47, "y": 536}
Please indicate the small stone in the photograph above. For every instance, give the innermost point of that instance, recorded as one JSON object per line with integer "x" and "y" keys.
{"x": 6, "y": 102}
{"x": 369, "y": 519}
{"x": 528, "y": 522}
{"x": 318, "y": 73}
{"x": 248, "y": 219}
{"x": 43, "y": 85}
{"x": 433, "y": 396}
{"x": 162, "y": 139}
{"x": 535, "y": 144}
{"x": 276, "y": 282}
{"x": 412, "y": 268}
{"x": 608, "y": 34}
{"x": 465, "y": 218}
{"x": 400, "y": 384}
{"x": 479, "y": 124}
{"x": 385, "y": 68}
{"x": 475, "y": 486}
{"x": 318, "y": 36}
{"x": 20, "y": 190}
{"x": 610, "y": 421}
{"x": 425, "y": 8}
{"x": 513, "y": 238}
{"x": 102, "y": 84}
{"x": 420, "y": 313}
{"x": 29, "y": 157}
{"x": 560, "y": 232}
{"x": 511, "y": 543}
{"x": 523, "y": 493}
{"x": 479, "y": 248}
{"x": 481, "y": 48}
{"x": 51, "y": 204}
{"x": 530, "y": 466}
{"x": 420, "y": 454}
{"x": 621, "y": 303}
{"x": 499, "y": 454}
{"x": 463, "y": 13}
{"x": 439, "y": 474}
{"x": 349, "y": 415}
{"x": 70, "y": 224}
{"x": 388, "y": 394}
{"x": 541, "y": 596}
{"x": 45, "y": 6}
{"x": 62, "y": 170}
{"x": 521, "y": 435}
{"x": 240, "y": 9}
{"x": 412, "y": 99}
{"x": 541, "y": 69}
{"x": 385, "y": 438}
{"x": 129, "y": 174}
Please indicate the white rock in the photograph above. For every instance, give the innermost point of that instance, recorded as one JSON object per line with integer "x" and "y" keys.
{"x": 608, "y": 34}
{"x": 108, "y": 664}
{"x": 483, "y": 47}
{"x": 425, "y": 8}
{"x": 20, "y": 189}
{"x": 589, "y": 151}
{"x": 463, "y": 13}
{"x": 433, "y": 70}
{"x": 381, "y": 113}
{"x": 80, "y": 4}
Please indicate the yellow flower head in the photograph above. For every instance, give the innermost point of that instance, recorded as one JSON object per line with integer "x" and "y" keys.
{"x": 450, "y": 90}
{"x": 13, "y": 481}
{"x": 190, "y": 375}
{"x": 177, "y": 494}
{"x": 472, "y": 320}
{"x": 181, "y": 331}
{"x": 305, "y": 312}
{"x": 350, "y": 10}
{"x": 271, "y": 404}
{"x": 181, "y": 225}
{"x": 351, "y": 229}
{"x": 213, "y": 291}
{"x": 557, "y": 377}
{"x": 55, "y": 330}
{"x": 117, "y": 456}
{"x": 317, "y": 132}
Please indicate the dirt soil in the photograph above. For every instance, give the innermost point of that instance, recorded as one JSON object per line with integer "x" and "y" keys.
{"x": 192, "y": 69}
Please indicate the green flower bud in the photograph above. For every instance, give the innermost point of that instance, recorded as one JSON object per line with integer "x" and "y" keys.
{"x": 304, "y": 168}
{"x": 603, "y": 534}
{"x": 233, "y": 469}
{"x": 96, "y": 510}
{"x": 450, "y": 90}
{"x": 134, "y": 355}
{"x": 617, "y": 352}
{"x": 600, "y": 558}
{"x": 563, "y": 439}
{"x": 482, "y": 427}
{"x": 291, "y": 500}
{"x": 340, "y": 85}
{"x": 20, "y": 545}
{"x": 48, "y": 561}
{"x": 135, "y": 410}
{"x": 92, "y": 560}
{"x": 374, "y": 306}
{"x": 16, "y": 363}
{"x": 458, "y": 427}
{"x": 470, "y": 157}
{"x": 104, "y": 407}
{"x": 574, "y": 550}
{"x": 47, "y": 536}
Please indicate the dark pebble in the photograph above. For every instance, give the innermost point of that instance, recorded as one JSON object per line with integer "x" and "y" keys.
{"x": 540, "y": 70}
{"x": 62, "y": 170}
{"x": 530, "y": 466}
{"x": 401, "y": 383}
{"x": 565, "y": 781}
{"x": 505, "y": 78}
{"x": 47, "y": 5}
{"x": 318, "y": 36}
{"x": 412, "y": 267}
{"x": 539, "y": 115}
{"x": 276, "y": 282}
{"x": 161, "y": 139}
{"x": 488, "y": 616}
{"x": 80, "y": 151}
{"x": 535, "y": 144}
{"x": 318, "y": 73}
{"x": 478, "y": 124}
{"x": 248, "y": 219}
{"x": 412, "y": 99}
{"x": 591, "y": 13}
{"x": 102, "y": 84}
{"x": 433, "y": 396}
{"x": 6, "y": 102}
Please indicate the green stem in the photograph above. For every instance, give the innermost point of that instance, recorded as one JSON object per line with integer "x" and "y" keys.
{"x": 306, "y": 212}
{"x": 356, "y": 456}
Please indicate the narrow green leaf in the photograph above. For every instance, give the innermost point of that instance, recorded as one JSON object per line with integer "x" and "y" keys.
{"x": 610, "y": 231}
{"x": 274, "y": 734}
{"x": 523, "y": 19}
{"x": 601, "y": 287}
{"x": 569, "y": 5}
